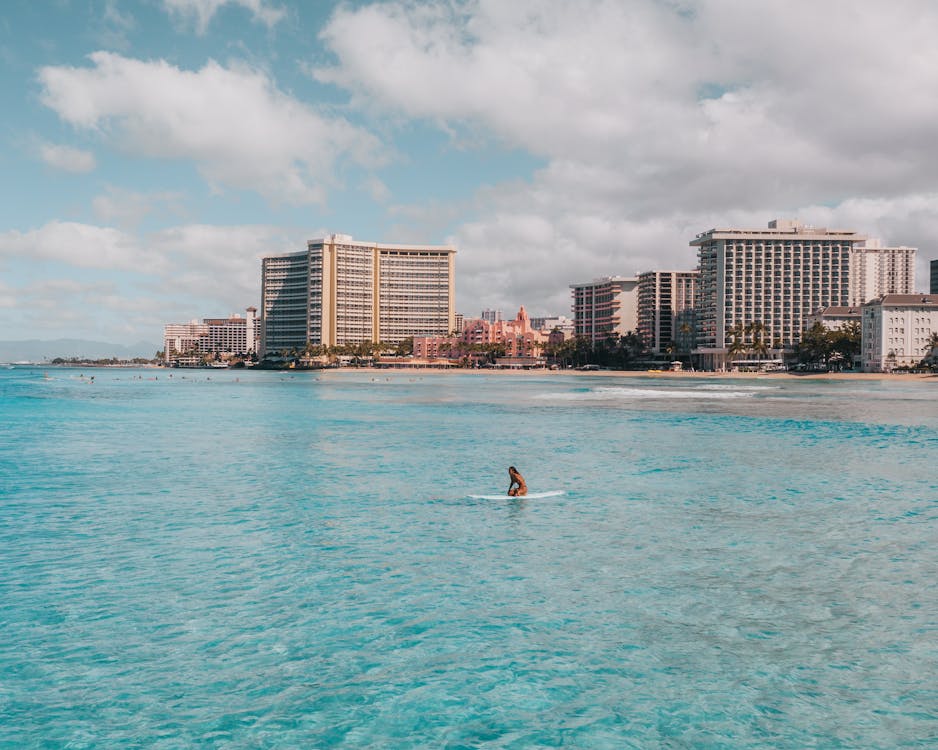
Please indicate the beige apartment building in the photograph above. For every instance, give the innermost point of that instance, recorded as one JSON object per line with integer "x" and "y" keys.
{"x": 775, "y": 277}
{"x": 876, "y": 270}
{"x": 342, "y": 291}
{"x": 606, "y": 307}
{"x": 666, "y": 317}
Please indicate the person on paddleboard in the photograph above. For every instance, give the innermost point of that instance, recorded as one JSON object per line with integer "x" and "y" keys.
{"x": 516, "y": 479}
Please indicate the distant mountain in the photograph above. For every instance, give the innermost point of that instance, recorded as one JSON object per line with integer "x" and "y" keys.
{"x": 35, "y": 350}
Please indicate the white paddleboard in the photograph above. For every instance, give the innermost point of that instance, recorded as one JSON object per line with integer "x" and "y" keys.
{"x": 529, "y": 496}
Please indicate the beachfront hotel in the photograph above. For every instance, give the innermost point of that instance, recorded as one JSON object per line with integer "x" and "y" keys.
{"x": 605, "y": 308}
{"x": 235, "y": 334}
{"x": 776, "y": 277}
{"x": 897, "y": 329}
{"x": 876, "y": 270}
{"x": 342, "y": 291}
{"x": 666, "y": 302}
{"x": 519, "y": 337}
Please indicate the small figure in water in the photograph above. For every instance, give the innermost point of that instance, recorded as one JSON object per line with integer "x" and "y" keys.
{"x": 516, "y": 479}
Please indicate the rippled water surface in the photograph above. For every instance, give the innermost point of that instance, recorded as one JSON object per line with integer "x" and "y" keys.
{"x": 257, "y": 560}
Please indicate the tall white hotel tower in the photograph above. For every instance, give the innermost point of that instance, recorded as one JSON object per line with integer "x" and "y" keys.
{"x": 777, "y": 277}
{"x": 339, "y": 291}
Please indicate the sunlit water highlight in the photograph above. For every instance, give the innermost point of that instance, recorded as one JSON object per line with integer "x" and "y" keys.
{"x": 250, "y": 560}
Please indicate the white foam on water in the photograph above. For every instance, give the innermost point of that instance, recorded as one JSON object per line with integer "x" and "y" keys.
{"x": 613, "y": 393}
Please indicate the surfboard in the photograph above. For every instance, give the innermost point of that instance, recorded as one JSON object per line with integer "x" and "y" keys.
{"x": 529, "y": 496}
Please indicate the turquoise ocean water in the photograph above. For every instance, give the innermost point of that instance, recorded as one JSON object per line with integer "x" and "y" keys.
{"x": 260, "y": 560}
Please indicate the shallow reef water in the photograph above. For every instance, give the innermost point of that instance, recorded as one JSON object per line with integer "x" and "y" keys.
{"x": 245, "y": 559}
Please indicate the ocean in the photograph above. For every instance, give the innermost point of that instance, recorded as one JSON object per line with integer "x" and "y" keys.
{"x": 239, "y": 559}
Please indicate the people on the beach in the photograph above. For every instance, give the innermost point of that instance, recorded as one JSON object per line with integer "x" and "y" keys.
{"x": 516, "y": 479}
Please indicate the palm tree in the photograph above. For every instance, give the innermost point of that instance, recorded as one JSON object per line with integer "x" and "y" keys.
{"x": 759, "y": 347}
{"x": 738, "y": 343}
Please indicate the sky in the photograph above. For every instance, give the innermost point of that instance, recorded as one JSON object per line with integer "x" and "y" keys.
{"x": 152, "y": 151}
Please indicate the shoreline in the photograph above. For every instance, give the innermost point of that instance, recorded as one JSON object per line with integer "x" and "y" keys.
{"x": 645, "y": 373}
{"x": 540, "y": 372}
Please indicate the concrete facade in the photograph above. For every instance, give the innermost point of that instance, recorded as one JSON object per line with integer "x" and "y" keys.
{"x": 606, "y": 307}
{"x": 876, "y": 270}
{"x": 340, "y": 291}
{"x": 897, "y": 329}
{"x": 232, "y": 335}
{"x": 777, "y": 276}
{"x": 666, "y": 315}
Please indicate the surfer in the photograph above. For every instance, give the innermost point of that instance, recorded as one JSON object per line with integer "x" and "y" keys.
{"x": 516, "y": 479}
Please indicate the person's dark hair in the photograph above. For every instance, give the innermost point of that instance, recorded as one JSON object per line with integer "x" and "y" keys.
{"x": 512, "y": 468}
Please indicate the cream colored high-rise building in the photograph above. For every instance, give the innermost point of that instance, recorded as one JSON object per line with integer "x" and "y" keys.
{"x": 341, "y": 291}
{"x": 605, "y": 308}
{"x": 774, "y": 278}
{"x": 876, "y": 270}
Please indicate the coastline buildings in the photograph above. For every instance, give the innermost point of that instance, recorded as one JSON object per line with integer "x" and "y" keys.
{"x": 666, "y": 317}
{"x": 190, "y": 341}
{"x": 518, "y": 337}
{"x": 897, "y": 330}
{"x": 606, "y": 307}
{"x": 342, "y": 291}
{"x": 876, "y": 270}
{"x": 774, "y": 278}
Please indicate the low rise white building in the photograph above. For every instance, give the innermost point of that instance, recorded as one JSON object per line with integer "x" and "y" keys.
{"x": 897, "y": 330}
{"x": 834, "y": 318}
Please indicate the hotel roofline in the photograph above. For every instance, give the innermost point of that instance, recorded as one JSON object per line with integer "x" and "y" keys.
{"x": 778, "y": 230}
{"x": 604, "y": 280}
{"x": 904, "y": 299}
{"x": 345, "y": 239}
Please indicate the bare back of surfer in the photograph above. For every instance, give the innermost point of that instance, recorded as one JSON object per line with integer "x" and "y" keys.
{"x": 516, "y": 479}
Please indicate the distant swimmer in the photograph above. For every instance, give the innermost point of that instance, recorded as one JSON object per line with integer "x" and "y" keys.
{"x": 516, "y": 479}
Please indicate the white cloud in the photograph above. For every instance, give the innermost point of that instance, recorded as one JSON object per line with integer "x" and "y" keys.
{"x": 124, "y": 286}
{"x": 657, "y": 121}
{"x": 201, "y": 12}
{"x": 66, "y": 158}
{"x": 234, "y": 123}
{"x": 128, "y": 208}
{"x": 78, "y": 245}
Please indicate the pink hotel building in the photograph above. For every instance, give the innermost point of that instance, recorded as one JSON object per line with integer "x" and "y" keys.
{"x": 517, "y": 336}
